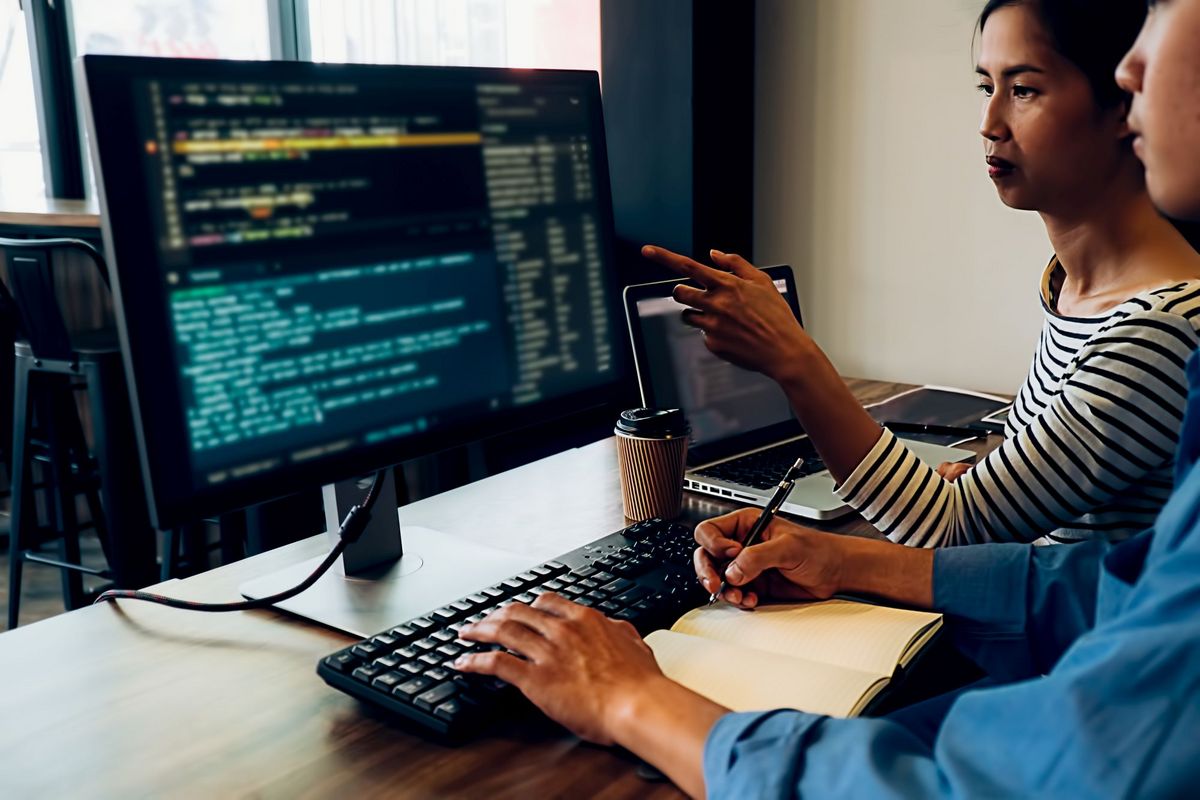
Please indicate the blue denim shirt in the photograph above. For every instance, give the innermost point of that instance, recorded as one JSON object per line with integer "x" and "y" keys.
{"x": 1098, "y": 647}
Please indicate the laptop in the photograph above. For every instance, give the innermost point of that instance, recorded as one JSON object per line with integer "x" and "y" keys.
{"x": 744, "y": 435}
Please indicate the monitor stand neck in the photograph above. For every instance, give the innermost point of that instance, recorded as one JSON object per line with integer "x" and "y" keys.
{"x": 381, "y": 543}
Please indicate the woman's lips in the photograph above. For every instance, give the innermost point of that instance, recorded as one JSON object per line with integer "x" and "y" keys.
{"x": 999, "y": 167}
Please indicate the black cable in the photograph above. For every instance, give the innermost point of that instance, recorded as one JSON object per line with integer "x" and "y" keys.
{"x": 352, "y": 527}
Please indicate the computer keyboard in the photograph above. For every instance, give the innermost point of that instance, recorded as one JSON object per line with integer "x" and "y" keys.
{"x": 764, "y": 469}
{"x": 642, "y": 574}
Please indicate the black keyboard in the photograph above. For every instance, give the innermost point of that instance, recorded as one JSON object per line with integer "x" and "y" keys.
{"x": 642, "y": 574}
{"x": 766, "y": 468}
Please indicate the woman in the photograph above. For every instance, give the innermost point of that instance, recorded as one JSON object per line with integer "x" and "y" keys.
{"x": 1088, "y": 448}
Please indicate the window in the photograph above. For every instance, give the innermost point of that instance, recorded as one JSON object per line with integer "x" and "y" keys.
{"x": 181, "y": 28}
{"x": 500, "y": 33}
{"x": 20, "y": 148}
{"x": 481, "y": 33}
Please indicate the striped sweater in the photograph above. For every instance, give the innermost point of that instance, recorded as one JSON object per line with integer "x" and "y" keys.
{"x": 1089, "y": 445}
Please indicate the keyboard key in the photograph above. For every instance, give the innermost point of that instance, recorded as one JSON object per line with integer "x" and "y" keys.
{"x": 421, "y": 624}
{"x": 343, "y": 662}
{"x": 449, "y": 709}
{"x": 367, "y": 673}
{"x": 408, "y": 653}
{"x": 462, "y": 607}
{"x": 390, "y": 661}
{"x": 555, "y": 566}
{"x": 411, "y": 688}
{"x": 492, "y": 593}
{"x": 632, "y": 596}
{"x": 449, "y": 650}
{"x": 571, "y": 592}
{"x": 405, "y": 633}
{"x": 603, "y": 577}
{"x": 584, "y": 572}
{"x": 542, "y": 572}
{"x": 512, "y": 585}
{"x": 554, "y": 585}
{"x": 599, "y": 595}
{"x": 525, "y": 597}
{"x": 365, "y": 650}
{"x": 444, "y": 636}
{"x": 436, "y": 696}
{"x": 428, "y": 643}
{"x": 438, "y": 674}
{"x": 413, "y": 668}
{"x": 617, "y": 586}
{"x": 529, "y": 577}
{"x": 608, "y": 607}
{"x": 479, "y": 599}
{"x": 588, "y": 583}
{"x": 431, "y": 660}
{"x": 445, "y": 614}
{"x": 385, "y": 641}
{"x": 388, "y": 681}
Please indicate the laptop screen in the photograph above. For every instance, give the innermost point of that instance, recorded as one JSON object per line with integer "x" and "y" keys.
{"x": 722, "y": 401}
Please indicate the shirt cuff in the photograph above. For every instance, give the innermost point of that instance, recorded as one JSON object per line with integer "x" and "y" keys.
{"x": 862, "y": 479}
{"x": 984, "y": 584}
{"x": 756, "y": 754}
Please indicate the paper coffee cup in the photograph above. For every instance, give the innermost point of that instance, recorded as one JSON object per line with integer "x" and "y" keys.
{"x": 652, "y": 455}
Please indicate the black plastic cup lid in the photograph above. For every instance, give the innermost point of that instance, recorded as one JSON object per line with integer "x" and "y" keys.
{"x": 655, "y": 423}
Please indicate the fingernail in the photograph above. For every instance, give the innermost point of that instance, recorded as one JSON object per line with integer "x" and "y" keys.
{"x": 730, "y": 552}
{"x": 648, "y": 250}
{"x": 733, "y": 573}
{"x": 461, "y": 661}
{"x": 717, "y": 253}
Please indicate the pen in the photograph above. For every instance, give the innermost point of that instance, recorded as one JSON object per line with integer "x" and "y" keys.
{"x": 764, "y": 519}
{"x": 941, "y": 430}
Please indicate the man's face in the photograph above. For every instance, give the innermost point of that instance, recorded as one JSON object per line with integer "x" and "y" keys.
{"x": 1163, "y": 73}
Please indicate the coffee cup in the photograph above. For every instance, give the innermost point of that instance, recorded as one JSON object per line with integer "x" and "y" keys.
{"x": 652, "y": 455}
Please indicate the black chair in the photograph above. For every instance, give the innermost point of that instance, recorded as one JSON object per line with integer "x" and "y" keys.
{"x": 52, "y": 365}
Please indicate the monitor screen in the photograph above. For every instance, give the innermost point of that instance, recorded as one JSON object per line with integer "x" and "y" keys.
{"x": 321, "y": 269}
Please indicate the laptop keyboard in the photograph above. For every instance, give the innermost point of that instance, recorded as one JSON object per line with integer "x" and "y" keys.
{"x": 764, "y": 469}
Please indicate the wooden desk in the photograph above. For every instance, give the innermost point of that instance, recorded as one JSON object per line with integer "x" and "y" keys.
{"x": 146, "y": 701}
{"x": 21, "y": 212}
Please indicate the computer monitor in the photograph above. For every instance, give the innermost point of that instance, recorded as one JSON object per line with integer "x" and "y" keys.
{"x": 322, "y": 270}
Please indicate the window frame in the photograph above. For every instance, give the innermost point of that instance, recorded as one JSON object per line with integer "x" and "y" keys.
{"x": 48, "y": 27}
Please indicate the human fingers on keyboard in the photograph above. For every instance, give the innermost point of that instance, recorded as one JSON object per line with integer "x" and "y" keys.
{"x": 559, "y": 606}
{"x": 518, "y": 627}
{"x": 504, "y": 666}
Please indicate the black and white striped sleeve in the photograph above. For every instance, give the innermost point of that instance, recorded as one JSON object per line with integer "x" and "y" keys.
{"x": 1116, "y": 420}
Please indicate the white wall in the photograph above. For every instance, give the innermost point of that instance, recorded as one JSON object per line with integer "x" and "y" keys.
{"x": 870, "y": 181}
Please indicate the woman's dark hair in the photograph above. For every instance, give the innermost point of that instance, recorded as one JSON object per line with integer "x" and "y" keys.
{"x": 1094, "y": 35}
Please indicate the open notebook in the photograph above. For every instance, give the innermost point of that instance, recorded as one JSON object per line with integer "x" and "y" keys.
{"x": 831, "y": 657}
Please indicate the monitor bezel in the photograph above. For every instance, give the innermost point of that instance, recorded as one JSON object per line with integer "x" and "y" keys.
{"x": 116, "y": 147}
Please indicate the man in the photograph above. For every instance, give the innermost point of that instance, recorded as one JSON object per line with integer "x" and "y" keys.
{"x": 1099, "y": 645}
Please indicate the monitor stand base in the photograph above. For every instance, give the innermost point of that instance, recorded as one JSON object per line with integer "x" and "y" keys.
{"x": 435, "y": 569}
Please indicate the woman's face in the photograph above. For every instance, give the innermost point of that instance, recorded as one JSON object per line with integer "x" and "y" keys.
{"x": 1049, "y": 147}
{"x": 1163, "y": 73}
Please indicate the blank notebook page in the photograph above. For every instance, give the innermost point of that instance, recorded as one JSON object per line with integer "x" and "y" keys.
{"x": 746, "y": 680}
{"x": 852, "y": 635}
